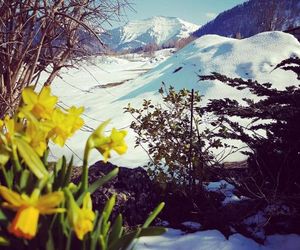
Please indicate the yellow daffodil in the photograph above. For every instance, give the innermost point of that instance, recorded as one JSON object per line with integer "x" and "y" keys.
{"x": 12, "y": 128}
{"x": 9, "y": 129}
{"x": 104, "y": 144}
{"x": 65, "y": 124}
{"x": 40, "y": 105}
{"x": 36, "y": 134}
{"x": 4, "y": 155}
{"x": 74, "y": 119}
{"x": 81, "y": 219}
{"x": 28, "y": 208}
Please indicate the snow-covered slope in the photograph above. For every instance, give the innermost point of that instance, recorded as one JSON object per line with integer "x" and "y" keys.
{"x": 254, "y": 57}
{"x": 156, "y": 30}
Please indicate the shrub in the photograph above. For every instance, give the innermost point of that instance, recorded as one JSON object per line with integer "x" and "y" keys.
{"x": 41, "y": 208}
{"x": 274, "y": 161}
{"x": 180, "y": 151}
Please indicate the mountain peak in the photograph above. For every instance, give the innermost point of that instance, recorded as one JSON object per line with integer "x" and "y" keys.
{"x": 158, "y": 30}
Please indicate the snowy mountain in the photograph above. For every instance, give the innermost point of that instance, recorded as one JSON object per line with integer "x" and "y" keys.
{"x": 156, "y": 30}
{"x": 253, "y": 17}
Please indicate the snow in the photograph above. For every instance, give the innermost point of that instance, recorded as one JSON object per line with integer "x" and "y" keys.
{"x": 226, "y": 189}
{"x": 254, "y": 57}
{"x": 219, "y": 186}
{"x": 156, "y": 30}
{"x": 191, "y": 225}
{"x": 213, "y": 239}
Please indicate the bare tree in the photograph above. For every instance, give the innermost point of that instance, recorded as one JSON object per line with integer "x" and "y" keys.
{"x": 47, "y": 35}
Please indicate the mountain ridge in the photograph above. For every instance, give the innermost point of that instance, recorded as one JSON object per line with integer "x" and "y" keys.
{"x": 253, "y": 17}
{"x": 158, "y": 30}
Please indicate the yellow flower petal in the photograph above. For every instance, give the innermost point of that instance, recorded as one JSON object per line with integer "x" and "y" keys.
{"x": 82, "y": 227}
{"x": 25, "y": 223}
{"x": 54, "y": 211}
{"x": 28, "y": 209}
{"x": 87, "y": 202}
{"x": 40, "y": 105}
{"x": 47, "y": 202}
{"x": 81, "y": 219}
{"x": 10, "y": 196}
{"x": 29, "y": 96}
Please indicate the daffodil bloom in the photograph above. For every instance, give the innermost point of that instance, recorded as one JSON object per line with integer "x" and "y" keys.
{"x": 9, "y": 129}
{"x": 12, "y": 128}
{"x": 65, "y": 124}
{"x": 40, "y": 105}
{"x": 81, "y": 219}
{"x": 4, "y": 155}
{"x": 28, "y": 208}
{"x": 104, "y": 144}
{"x": 74, "y": 119}
{"x": 36, "y": 134}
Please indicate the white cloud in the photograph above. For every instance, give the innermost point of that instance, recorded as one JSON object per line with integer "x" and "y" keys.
{"x": 210, "y": 15}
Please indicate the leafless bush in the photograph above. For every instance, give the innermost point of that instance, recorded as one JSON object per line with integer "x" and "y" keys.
{"x": 47, "y": 35}
{"x": 179, "y": 44}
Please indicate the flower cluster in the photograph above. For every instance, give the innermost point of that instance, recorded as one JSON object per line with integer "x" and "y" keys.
{"x": 31, "y": 188}
{"x": 45, "y": 121}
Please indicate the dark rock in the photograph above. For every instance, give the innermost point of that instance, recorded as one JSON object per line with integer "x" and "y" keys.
{"x": 137, "y": 195}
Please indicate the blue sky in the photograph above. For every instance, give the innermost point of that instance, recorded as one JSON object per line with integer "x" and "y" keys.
{"x": 195, "y": 11}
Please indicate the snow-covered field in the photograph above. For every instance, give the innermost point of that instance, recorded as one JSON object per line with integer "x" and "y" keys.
{"x": 140, "y": 77}
{"x": 132, "y": 78}
{"x": 214, "y": 240}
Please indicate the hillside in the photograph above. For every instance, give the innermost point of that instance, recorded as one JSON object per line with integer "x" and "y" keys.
{"x": 157, "y": 30}
{"x": 253, "y": 17}
{"x": 254, "y": 58}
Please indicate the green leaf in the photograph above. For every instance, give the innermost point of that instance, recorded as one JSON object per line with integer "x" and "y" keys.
{"x": 3, "y": 217}
{"x": 102, "y": 242}
{"x": 152, "y": 231}
{"x": 103, "y": 180}
{"x": 31, "y": 158}
{"x": 109, "y": 207}
{"x": 45, "y": 157}
{"x": 116, "y": 230}
{"x": 125, "y": 241}
{"x": 68, "y": 173}
{"x": 98, "y": 183}
{"x": 62, "y": 172}
{"x": 50, "y": 242}
{"x": 96, "y": 233}
{"x": 4, "y": 241}
{"x": 24, "y": 179}
{"x": 153, "y": 215}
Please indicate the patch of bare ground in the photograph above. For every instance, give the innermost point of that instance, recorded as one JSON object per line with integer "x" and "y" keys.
{"x": 109, "y": 85}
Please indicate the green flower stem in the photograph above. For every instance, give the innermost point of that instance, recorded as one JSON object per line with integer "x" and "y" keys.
{"x": 85, "y": 172}
{"x": 69, "y": 241}
{"x": 7, "y": 181}
{"x": 16, "y": 161}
